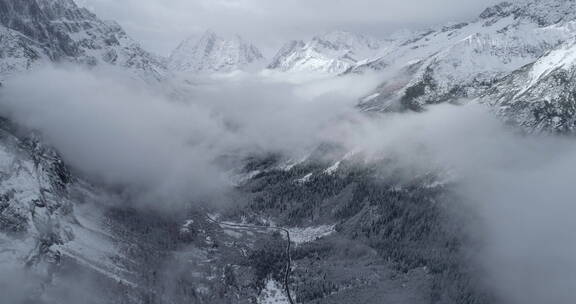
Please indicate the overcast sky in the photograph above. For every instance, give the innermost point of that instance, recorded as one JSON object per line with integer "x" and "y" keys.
{"x": 161, "y": 24}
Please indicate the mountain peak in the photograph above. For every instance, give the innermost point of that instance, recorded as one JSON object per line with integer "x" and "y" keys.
{"x": 36, "y": 31}
{"x": 344, "y": 39}
{"x": 543, "y": 12}
{"x": 502, "y": 9}
{"x": 332, "y": 52}
{"x": 214, "y": 53}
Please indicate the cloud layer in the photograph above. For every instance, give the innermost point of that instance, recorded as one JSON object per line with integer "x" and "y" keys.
{"x": 166, "y": 152}
{"x": 121, "y": 133}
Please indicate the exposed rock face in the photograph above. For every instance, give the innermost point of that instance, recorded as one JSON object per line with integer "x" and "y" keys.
{"x": 286, "y": 51}
{"x": 540, "y": 96}
{"x": 215, "y": 54}
{"x": 34, "y": 32}
{"x": 34, "y": 207}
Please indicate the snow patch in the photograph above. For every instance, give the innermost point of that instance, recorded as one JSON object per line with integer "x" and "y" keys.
{"x": 273, "y": 294}
{"x": 186, "y": 227}
{"x": 305, "y": 179}
{"x": 561, "y": 58}
{"x": 310, "y": 234}
{"x": 333, "y": 168}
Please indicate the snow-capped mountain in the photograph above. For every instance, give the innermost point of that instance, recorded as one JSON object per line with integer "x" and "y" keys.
{"x": 213, "y": 53}
{"x": 359, "y": 236}
{"x": 34, "y": 32}
{"x": 541, "y": 96}
{"x": 463, "y": 60}
{"x": 332, "y": 53}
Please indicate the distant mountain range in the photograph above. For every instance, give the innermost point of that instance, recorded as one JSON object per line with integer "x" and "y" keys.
{"x": 519, "y": 58}
{"x": 331, "y": 53}
{"x": 485, "y": 58}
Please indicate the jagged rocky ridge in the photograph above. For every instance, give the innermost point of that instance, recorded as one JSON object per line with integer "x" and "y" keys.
{"x": 540, "y": 96}
{"x": 464, "y": 60}
{"x": 38, "y": 228}
{"x": 212, "y": 53}
{"x": 35, "y": 32}
{"x": 331, "y": 53}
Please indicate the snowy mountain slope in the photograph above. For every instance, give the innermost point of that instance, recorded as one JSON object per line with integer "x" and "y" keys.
{"x": 63, "y": 240}
{"x": 40, "y": 232}
{"x": 286, "y": 51}
{"x": 39, "y": 31}
{"x": 540, "y": 96}
{"x": 332, "y": 53}
{"x": 463, "y": 60}
{"x": 213, "y": 53}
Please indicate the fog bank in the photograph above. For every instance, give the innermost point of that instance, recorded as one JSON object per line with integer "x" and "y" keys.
{"x": 118, "y": 131}
{"x": 167, "y": 152}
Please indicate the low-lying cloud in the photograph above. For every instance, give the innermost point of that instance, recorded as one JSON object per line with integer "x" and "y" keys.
{"x": 167, "y": 151}
{"x": 520, "y": 187}
{"x": 121, "y": 133}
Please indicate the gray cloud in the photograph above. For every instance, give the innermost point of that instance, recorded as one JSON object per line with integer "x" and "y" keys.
{"x": 161, "y": 25}
{"x": 519, "y": 186}
{"x": 168, "y": 150}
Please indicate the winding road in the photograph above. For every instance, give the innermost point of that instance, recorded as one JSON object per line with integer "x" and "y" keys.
{"x": 288, "y": 248}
